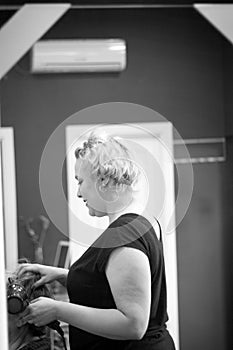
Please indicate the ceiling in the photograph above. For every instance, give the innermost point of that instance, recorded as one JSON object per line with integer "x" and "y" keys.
{"x": 164, "y": 3}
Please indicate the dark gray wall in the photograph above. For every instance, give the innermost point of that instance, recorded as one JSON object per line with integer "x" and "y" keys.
{"x": 181, "y": 67}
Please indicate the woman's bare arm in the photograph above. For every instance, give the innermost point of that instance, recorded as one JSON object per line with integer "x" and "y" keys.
{"x": 128, "y": 273}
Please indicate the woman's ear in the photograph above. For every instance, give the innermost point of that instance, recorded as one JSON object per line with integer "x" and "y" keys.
{"x": 101, "y": 185}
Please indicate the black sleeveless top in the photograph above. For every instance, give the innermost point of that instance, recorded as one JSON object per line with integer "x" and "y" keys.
{"x": 87, "y": 283}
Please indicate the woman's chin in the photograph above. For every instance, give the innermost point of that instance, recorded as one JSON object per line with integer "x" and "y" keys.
{"x": 94, "y": 212}
{"x": 91, "y": 211}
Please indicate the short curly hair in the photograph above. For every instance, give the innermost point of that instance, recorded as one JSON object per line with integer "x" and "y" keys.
{"x": 110, "y": 160}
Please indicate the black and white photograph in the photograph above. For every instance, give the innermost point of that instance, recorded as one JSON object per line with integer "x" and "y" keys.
{"x": 116, "y": 176}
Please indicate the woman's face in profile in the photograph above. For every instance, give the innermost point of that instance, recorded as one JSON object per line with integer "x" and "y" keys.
{"x": 88, "y": 189}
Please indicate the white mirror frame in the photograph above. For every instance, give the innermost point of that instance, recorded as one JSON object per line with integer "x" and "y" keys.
{"x": 9, "y": 211}
{"x": 8, "y": 222}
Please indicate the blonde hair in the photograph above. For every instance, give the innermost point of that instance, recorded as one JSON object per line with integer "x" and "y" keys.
{"x": 110, "y": 160}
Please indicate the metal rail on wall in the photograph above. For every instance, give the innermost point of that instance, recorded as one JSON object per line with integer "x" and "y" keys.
{"x": 202, "y": 150}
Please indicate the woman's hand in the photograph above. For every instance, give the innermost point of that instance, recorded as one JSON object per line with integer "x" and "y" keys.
{"x": 40, "y": 312}
{"x": 48, "y": 273}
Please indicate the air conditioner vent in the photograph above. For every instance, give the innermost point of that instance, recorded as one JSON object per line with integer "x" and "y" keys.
{"x": 96, "y": 55}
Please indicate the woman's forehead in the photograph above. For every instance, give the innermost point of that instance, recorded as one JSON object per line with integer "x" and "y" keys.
{"x": 82, "y": 168}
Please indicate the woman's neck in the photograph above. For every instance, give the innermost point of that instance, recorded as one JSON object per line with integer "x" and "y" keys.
{"x": 133, "y": 207}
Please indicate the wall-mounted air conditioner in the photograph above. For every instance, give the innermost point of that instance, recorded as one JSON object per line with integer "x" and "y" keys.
{"x": 96, "y": 55}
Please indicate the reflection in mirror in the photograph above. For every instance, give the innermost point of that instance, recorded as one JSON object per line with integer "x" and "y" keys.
{"x": 20, "y": 292}
{"x": 8, "y": 234}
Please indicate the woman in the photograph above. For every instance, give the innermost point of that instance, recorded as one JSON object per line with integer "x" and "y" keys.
{"x": 117, "y": 289}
